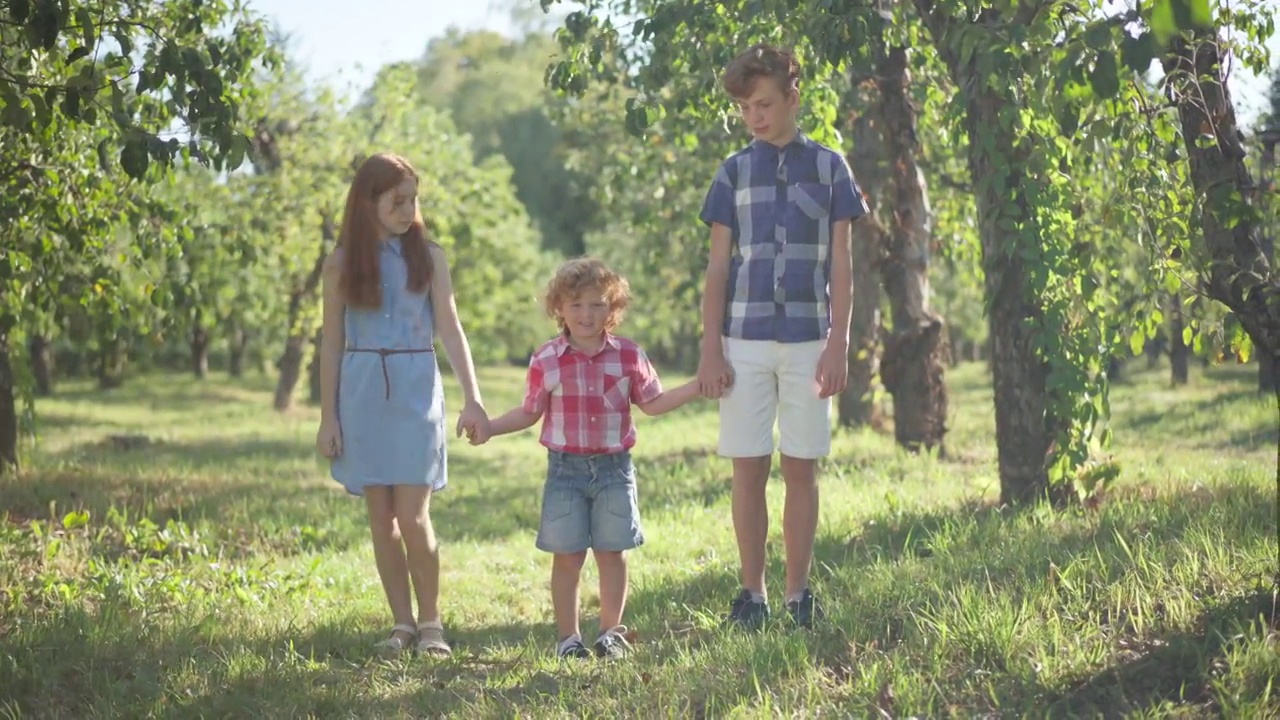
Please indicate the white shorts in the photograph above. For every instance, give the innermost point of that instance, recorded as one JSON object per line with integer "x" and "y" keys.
{"x": 774, "y": 381}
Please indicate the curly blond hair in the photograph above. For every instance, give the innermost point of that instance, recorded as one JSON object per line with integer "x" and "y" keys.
{"x": 581, "y": 275}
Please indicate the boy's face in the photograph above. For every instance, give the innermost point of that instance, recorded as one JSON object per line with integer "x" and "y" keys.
{"x": 585, "y": 314}
{"x": 398, "y": 207}
{"x": 769, "y": 112}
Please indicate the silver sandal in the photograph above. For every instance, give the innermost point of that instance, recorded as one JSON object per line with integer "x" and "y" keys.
{"x": 431, "y": 639}
{"x": 395, "y": 645}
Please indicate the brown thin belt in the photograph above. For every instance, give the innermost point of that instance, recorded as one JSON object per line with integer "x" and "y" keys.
{"x": 383, "y": 353}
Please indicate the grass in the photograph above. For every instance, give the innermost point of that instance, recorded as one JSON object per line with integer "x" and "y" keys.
{"x": 219, "y": 572}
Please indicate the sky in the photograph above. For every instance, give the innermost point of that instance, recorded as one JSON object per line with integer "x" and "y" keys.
{"x": 346, "y": 47}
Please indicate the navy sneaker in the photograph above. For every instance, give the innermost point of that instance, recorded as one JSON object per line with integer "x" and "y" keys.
{"x": 806, "y": 610}
{"x": 747, "y": 612}
{"x": 612, "y": 644}
{"x": 572, "y": 647}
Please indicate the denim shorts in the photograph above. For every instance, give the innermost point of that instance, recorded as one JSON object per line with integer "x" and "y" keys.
{"x": 589, "y": 501}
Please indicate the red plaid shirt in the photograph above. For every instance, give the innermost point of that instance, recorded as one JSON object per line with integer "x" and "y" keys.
{"x": 586, "y": 399}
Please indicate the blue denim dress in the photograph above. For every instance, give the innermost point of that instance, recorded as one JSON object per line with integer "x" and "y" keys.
{"x": 390, "y": 398}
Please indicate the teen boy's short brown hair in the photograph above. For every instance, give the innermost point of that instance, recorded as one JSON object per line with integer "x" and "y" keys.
{"x": 757, "y": 61}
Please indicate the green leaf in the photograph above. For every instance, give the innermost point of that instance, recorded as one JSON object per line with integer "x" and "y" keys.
{"x": 1187, "y": 332}
{"x": 1137, "y": 53}
{"x": 88, "y": 31}
{"x": 1105, "y": 77}
{"x": 104, "y": 155}
{"x": 121, "y": 35}
{"x": 1162, "y": 22}
{"x": 71, "y": 104}
{"x": 44, "y": 25}
{"x": 134, "y": 157}
{"x": 1137, "y": 341}
{"x": 73, "y": 520}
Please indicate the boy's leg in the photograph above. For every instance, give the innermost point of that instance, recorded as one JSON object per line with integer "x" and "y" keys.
{"x": 615, "y": 528}
{"x": 751, "y": 520}
{"x": 799, "y": 520}
{"x": 565, "y": 531}
{"x": 613, "y": 587}
{"x": 566, "y": 568}
{"x": 805, "y": 421}
{"x": 747, "y": 415}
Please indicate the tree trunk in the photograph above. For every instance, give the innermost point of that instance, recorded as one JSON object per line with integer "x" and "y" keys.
{"x": 8, "y": 401}
{"x": 1179, "y": 353}
{"x": 997, "y": 163}
{"x": 200, "y": 348}
{"x": 295, "y": 345}
{"x": 857, "y": 406}
{"x": 42, "y": 364}
{"x": 1240, "y": 275}
{"x": 915, "y": 355}
{"x": 313, "y": 370}
{"x": 111, "y": 360}
{"x": 237, "y": 344}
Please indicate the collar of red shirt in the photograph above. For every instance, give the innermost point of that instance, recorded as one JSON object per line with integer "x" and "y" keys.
{"x": 562, "y": 343}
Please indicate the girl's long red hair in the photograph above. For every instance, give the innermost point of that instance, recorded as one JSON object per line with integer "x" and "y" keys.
{"x": 361, "y": 233}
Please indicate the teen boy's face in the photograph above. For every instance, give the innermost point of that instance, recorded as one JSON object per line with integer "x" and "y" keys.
{"x": 585, "y": 315}
{"x": 769, "y": 112}
{"x": 398, "y": 207}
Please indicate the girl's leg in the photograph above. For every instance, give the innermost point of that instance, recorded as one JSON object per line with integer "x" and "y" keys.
{"x": 565, "y": 570}
{"x": 412, "y": 511}
{"x": 613, "y": 588}
{"x": 388, "y": 554}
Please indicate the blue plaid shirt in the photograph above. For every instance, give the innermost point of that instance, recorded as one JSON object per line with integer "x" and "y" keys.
{"x": 781, "y": 204}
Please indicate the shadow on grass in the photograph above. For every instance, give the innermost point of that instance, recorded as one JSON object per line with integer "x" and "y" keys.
{"x": 169, "y": 391}
{"x": 1175, "y": 668}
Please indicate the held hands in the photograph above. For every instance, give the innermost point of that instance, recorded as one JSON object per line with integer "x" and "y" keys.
{"x": 715, "y": 376}
{"x": 474, "y": 421}
{"x": 329, "y": 439}
{"x": 833, "y": 370}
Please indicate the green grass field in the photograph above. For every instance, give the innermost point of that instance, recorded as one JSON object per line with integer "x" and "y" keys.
{"x": 220, "y": 573}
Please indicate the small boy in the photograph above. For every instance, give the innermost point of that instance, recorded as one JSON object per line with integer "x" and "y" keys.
{"x": 775, "y": 314}
{"x": 583, "y": 383}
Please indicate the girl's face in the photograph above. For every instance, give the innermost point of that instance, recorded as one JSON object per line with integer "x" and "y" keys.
{"x": 398, "y": 207}
{"x": 585, "y": 315}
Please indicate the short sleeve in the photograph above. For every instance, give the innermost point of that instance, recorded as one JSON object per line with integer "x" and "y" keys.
{"x": 535, "y": 389}
{"x": 847, "y": 202}
{"x": 645, "y": 384}
{"x": 719, "y": 205}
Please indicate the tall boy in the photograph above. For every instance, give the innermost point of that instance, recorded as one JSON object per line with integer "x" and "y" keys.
{"x": 775, "y": 317}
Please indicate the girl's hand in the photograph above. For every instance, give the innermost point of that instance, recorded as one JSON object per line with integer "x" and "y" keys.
{"x": 329, "y": 439}
{"x": 474, "y": 421}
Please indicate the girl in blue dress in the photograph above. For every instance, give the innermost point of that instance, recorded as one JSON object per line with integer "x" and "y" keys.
{"x": 387, "y": 296}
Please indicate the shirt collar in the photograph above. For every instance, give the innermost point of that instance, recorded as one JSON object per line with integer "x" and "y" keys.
{"x": 562, "y": 343}
{"x": 800, "y": 140}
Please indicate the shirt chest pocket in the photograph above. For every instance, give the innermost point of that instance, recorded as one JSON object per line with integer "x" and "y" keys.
{"x": 811, "y": 199}
{"x": 617, "y": 391}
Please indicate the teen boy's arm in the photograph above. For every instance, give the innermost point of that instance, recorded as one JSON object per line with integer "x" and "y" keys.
{"x": 833, "y": 366}
{"x": 847, "y": 205}
{"x": 714, "y": 374}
